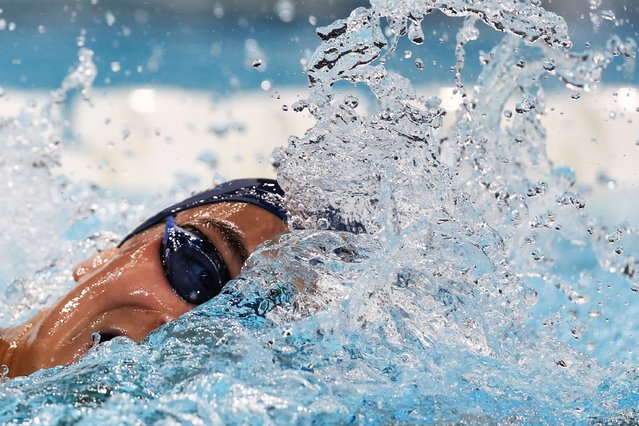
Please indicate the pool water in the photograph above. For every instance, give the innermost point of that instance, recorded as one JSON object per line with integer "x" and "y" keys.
{"x": 479, "y": 286}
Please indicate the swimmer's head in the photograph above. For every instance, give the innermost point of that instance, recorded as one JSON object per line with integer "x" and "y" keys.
{"x": 179, "y": 258}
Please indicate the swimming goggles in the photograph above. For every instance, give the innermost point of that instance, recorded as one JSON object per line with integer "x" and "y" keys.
{"x": 192, "y": 265}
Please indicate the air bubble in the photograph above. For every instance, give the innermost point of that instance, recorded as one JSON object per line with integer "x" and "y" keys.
{"x": 265, "y": 85}
{"x": 115, "y": 66}
{"x": 256, "y": 63}
{"x": 408, "y": 54}
{"x": 420, "y": 64}
{"x": 42, "y": 29}
{"x": 312, "y": 20}
{"x": 575, "y": 95}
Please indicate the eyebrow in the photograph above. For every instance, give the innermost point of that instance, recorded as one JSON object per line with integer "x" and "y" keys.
{"x": 231, "y": 235}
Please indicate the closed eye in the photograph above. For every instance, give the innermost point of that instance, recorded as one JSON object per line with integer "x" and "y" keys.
{"x": 231, "y": 236}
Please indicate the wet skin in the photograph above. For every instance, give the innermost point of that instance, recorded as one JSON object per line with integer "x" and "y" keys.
{"x": 123, "y": 291}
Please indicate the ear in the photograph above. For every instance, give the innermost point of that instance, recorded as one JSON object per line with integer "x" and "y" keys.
{"x": 92, "y": 263}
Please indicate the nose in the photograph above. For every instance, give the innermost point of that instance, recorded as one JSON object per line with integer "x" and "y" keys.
{"x": 126, "y": 295}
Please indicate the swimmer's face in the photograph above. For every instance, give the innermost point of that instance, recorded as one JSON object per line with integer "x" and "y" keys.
{"x": 123, "y": 291}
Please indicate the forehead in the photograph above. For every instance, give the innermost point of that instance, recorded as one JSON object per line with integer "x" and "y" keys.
{"x": 254, "y": 223}
{"x": 235, "y": 212}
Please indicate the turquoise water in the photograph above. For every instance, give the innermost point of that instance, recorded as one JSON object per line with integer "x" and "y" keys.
{"x": 482, "y": 289}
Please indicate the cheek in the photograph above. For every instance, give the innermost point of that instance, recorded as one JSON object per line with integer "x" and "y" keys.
{"x": 139, "y": 280}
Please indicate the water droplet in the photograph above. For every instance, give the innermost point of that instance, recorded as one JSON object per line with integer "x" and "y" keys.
{"x": 351, "y": 101}
{"x": 299, "y": 106}
{"x": 265, "y": 85}
{"x": 508, "y": 113}
{"x": 575, "y": 95}
{"x": 619, "y": 250}
{"x": 312, "y": 20}
{"x": 95, "y": 339}
{"x": 537, "y": 255}
{"x": 530, "y": 297}
{"x": 218, "y": 11}
{"x": 415, "y": 32}
{"x": 521, "y": 63}
{"x": 254, "y": 55}
{"x": 608, "y": 15}
{"x": 612, "y": 115}
{"x": 110, "y": 18}
{"x": 323, "y": 223}
{"x": 408, "y": 54}
{"x": 523, "y": 107}
{"x": 549, "y": 64}
{"x": 115, "y": 66}
{"x": 420, "y": 64}
{"x": 285, "y": 10}
{"x": 578, "y": 299}
{"x": 284, "y": 107}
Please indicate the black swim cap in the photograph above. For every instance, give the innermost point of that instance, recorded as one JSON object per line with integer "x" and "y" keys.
{"x": 265, "y": 193}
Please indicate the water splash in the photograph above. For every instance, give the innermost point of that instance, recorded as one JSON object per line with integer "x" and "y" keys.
{"x": 454, "y": 298}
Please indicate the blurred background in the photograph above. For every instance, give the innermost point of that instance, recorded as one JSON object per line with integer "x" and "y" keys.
{"x": 198, "y": 91}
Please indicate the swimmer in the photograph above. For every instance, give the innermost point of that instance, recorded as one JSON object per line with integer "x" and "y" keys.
{"x": 174, "y": 261}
